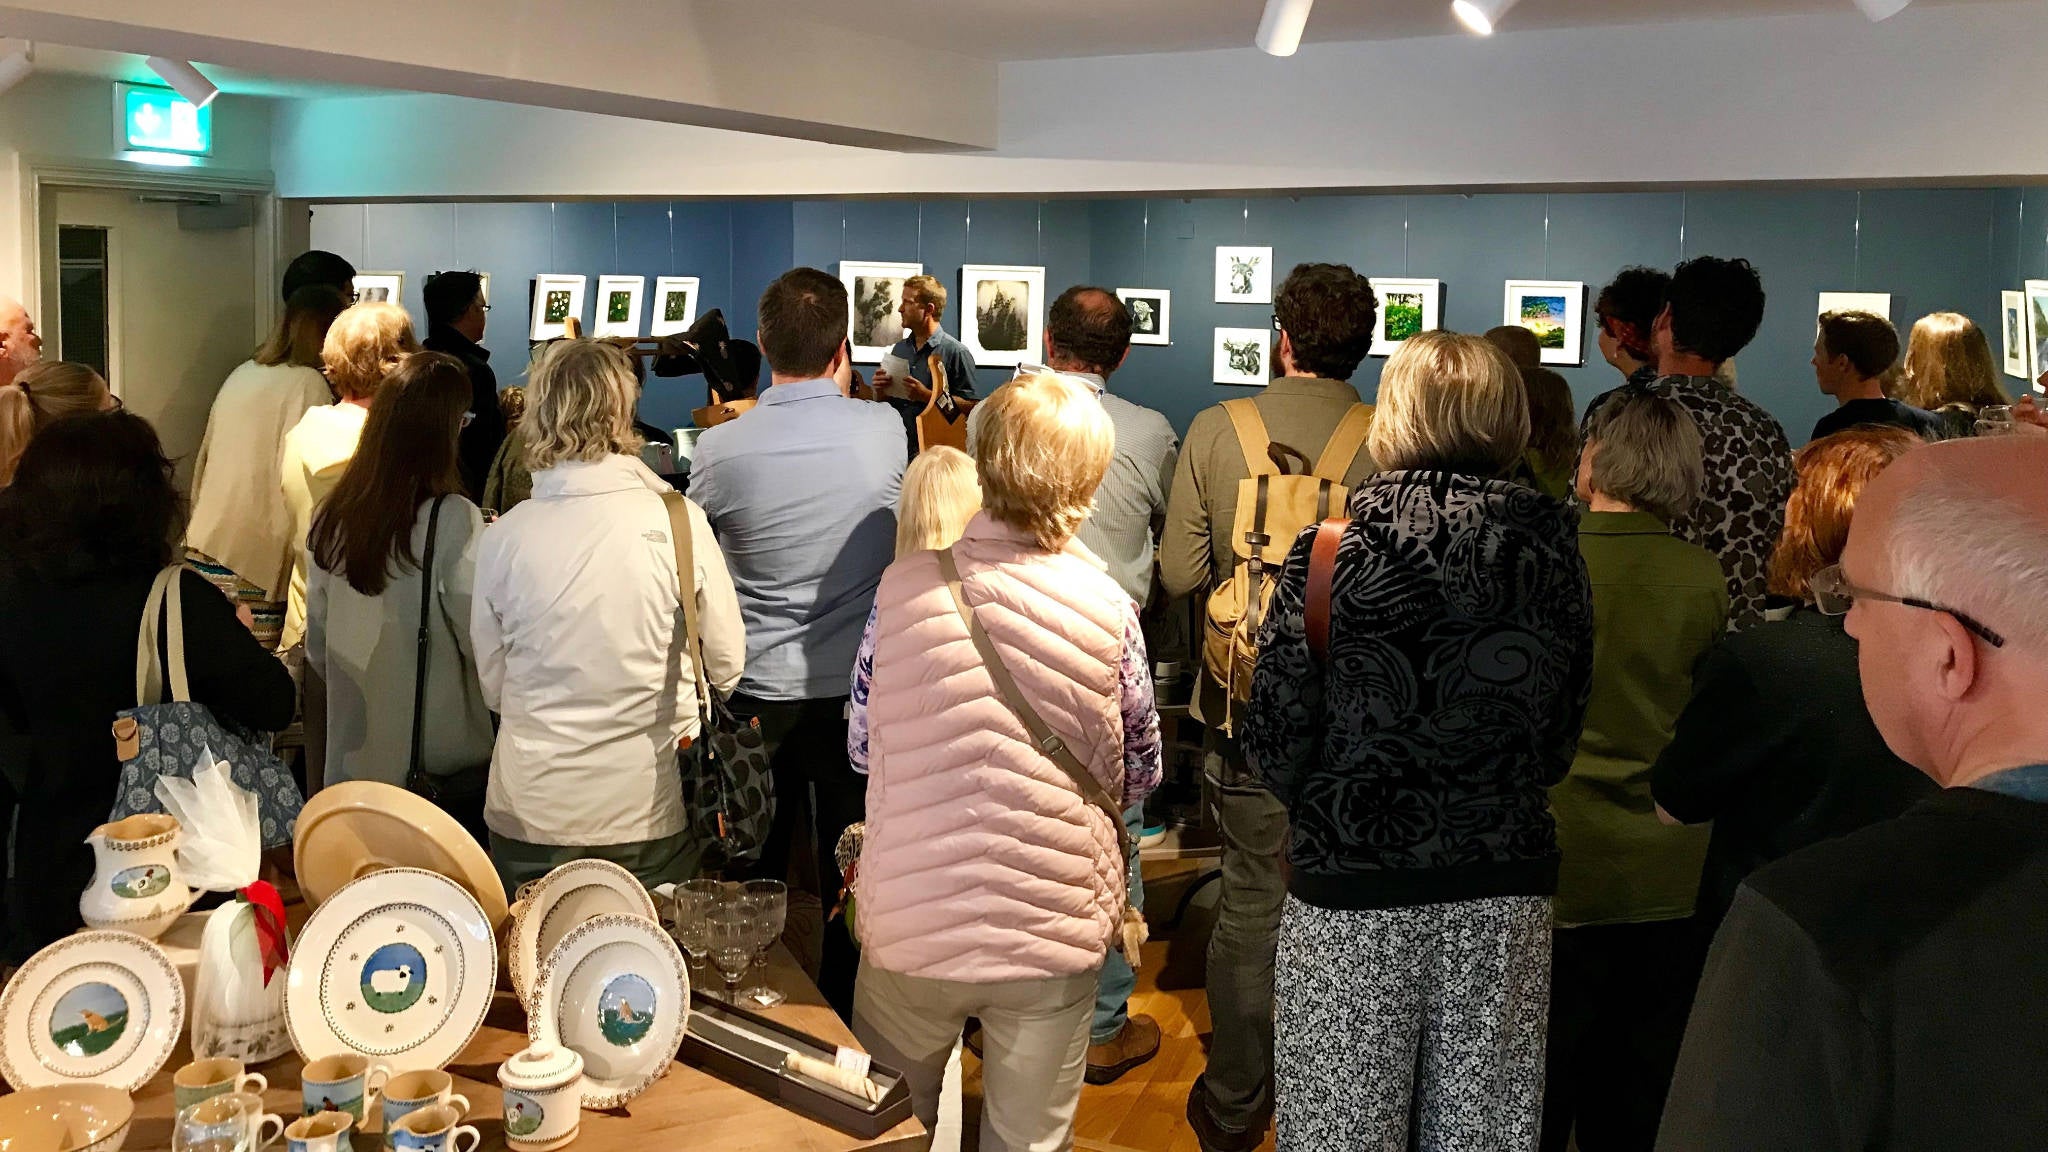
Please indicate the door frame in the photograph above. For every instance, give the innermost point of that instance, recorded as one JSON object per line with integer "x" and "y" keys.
{"x": 41, "y": 177}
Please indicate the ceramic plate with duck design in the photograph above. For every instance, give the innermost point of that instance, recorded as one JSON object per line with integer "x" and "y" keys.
{"x": 102, "y": 1006}
{"x": 615, "y": 990}
{"x": 398, "y": 966}
{"x": 557, "y": 903}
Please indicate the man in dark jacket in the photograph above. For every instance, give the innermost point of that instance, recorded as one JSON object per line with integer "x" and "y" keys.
{"x": 456, "y": 310}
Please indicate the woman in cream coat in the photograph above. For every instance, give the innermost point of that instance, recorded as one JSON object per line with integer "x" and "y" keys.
{"x": 578, "y": 631}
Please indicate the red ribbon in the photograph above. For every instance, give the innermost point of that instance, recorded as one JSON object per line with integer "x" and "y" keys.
{"x": 268, "y": 907}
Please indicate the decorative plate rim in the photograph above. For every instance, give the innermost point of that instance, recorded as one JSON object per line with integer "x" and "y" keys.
{"x": 364, "y": 796}
{"x": 13, "y": 992}
{"x": 491, "y": 949}
{"x": 529, "y": 912}
{"x": 540, "y": 1021}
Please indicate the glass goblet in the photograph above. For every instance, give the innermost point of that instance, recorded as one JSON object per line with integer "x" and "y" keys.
{"x": 769, "y": 900}
{"x": 730, "y": 929}
{"x": 693, "y": 903}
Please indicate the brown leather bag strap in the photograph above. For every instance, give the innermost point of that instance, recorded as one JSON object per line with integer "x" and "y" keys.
{"x": 1252, "y": 437}
{"x": 1322, "y": 572}
{"x": 1345, "y": 441}
{"x": 686, "y": 586}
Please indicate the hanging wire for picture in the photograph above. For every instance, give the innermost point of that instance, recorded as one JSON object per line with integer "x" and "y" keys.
{"x": 1546, "y": 235}
{"x": 1145, "y": 248}
{"x": 551, "y": 233}
{"x": 1407, "y": 214}
{"x": 1682, "y": 205}
{"x": 920, "y": 231}
{"x": 615, "y": 233}
{"x": 672, "y": 236}
{"x": 1856, "y": 250}
{"x": 1041, "y": 232}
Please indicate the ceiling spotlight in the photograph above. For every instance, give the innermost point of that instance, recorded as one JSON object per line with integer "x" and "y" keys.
{"x": 17, "y": 60}
{"x": 1280, "y": 28}
{"x": 1480, "y": 15}
{"x": 1882, "y": 9}
{"x": 181, "y": 75}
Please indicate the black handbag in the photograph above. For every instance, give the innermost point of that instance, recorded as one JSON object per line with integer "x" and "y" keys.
{"x": 460, "y": 793}
{"x": 728, "y": 790}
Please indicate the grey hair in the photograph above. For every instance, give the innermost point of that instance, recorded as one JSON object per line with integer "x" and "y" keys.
{"x": 1967, "y": 548}
{"x": 1649, "y": 453}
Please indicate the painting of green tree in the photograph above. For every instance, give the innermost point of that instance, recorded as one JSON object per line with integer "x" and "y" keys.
{"x": 1545, "y": 316}
{"x": 1404, "y": 316}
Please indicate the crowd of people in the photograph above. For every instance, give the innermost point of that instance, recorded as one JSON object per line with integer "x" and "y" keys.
{"x": 1477, "y": 676}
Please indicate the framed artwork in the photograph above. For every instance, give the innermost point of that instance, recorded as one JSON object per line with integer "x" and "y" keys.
{"x": 618, "y": 305}
{"x": 1242, "y": 356}
{"x": 1151, "y": 312}
{"x": 555, "y": 299}
{"x": 1002, "y": 312}
{"x": 1407, "y": 308}
{"x": 2012, "y": 309}
{"x": 2037, "y": 329}
{"x": 1555, "y": 310}
{"x": 675, "y": 305}
{"x": 874, "y": 292}
{"x": 380, "y": 288}
{"x": 1244, "y": 275}
{"x": 1876, "y": 303}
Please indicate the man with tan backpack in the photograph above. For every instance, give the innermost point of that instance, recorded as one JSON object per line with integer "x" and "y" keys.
{"x": 1253, "y": 473}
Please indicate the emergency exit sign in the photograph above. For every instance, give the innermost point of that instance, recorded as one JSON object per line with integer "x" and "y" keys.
{"x": 160, "y": 120}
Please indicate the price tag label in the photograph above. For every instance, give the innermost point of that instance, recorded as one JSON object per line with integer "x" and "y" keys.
{"x": 853, "y": 1060}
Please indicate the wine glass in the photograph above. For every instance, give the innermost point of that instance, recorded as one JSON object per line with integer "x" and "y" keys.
{"x": 769, "y": 900}
{"x": 693, "y": 902}
{"x": 1995, "y": 420}
{"x": 229, "y": 1123}
{"x": 730, "y": 929}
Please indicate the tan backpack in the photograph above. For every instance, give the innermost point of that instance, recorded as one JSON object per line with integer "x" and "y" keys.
{"x": 1283, "y": 495}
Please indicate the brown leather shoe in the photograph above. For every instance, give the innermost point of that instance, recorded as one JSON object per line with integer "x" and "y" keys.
{"x": 1211, "y": 1133}
{"x": 1137, "y": 1043}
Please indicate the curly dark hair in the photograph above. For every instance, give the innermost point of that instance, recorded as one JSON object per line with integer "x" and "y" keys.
{"x": 1090, "y": 327}
{"x": 1327, "y": 311}
{"x": 1629, "y": 306}
{"x": 1716, "y": 307}
{"x": 94, "y": 496}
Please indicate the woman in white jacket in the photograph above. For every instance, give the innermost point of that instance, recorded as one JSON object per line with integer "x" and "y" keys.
{"x": 578, "y": 630}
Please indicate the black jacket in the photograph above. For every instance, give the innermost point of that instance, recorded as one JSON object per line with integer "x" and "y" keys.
{"x": 1416, "y": 766}
{"x": 479, "y": 443}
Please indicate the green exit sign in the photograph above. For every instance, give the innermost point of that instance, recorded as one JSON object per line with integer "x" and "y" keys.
{"x": 160, "y": 120}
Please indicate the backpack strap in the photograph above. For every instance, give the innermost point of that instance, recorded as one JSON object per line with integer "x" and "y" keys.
{"x": 1322, "y": 574}
{"x": 1345, "y": 441}
{"x": 1251, "y": 436}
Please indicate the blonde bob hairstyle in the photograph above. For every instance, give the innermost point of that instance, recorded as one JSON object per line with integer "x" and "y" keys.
{"x": 363, "y": 345}
{"x": 940, "y": 495}
{"x": 1450, "y": 402}
{"x": 579, "y": 404}
{"x": 1043, "y": 448}
{"x": 1948, "y": 361}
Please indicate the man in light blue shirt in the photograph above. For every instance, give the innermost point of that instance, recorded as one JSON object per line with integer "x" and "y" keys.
{"x": 801, "y": 493}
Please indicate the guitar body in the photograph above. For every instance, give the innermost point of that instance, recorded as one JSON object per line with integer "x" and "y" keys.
{"x": 944, "y": 419}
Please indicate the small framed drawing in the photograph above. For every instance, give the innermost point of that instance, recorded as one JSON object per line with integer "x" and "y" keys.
{"x": 2037, "y": 329}
{"x": 1244, "y": 275}
{"x": 874, "y": 292}
{"x": 380, "y": 288}
{"x": 1875, "y": 303}
{"x": 1555, "y": 310}
{"x": 618, "y": 305}
{"x": 675, "y": 305}
{"x": 1151, "y": 312}
{"x": 555, "y": 299}
{"x": 2012, "y": 313}
{"x": 1407, "y": 308}
{"x": 1002, "y": 312}
{"x": 1242, "y": 355}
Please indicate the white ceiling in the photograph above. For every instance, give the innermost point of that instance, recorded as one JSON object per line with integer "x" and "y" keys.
{"x": 1050, "y": 29}
{"x": 63, "y": 58}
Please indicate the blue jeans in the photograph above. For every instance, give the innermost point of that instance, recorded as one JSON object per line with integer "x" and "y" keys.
{"x": 1113, "y": 987}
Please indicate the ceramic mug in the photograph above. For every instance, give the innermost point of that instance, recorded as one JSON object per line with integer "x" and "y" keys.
{"x": 408, "y": 1092}
{"x": 204, "y": 1079}
{"x": 320, "y": 1132}
{"x": 342, "y": 1084}
{"x": 433, "y": 1129}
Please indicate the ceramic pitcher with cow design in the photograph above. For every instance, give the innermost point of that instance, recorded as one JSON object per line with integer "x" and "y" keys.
{"x": 135, "y": 884}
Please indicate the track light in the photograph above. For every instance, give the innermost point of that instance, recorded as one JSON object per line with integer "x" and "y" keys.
{"x": 1480, "y": 15}
{"x": 1280, "y": 28}
{"x": 1882, "y": 9}
{"x": 181, "y": 75}
{"x": 18, "y": 61}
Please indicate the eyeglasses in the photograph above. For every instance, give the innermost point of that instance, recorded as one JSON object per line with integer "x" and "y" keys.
{"x": 468, "y": 418}
{"x": 1276, "y": 322}
{"x": 1024, "y": 370}
{"x": 1834, "y": 595}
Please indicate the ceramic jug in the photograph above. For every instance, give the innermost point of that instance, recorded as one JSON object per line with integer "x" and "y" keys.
{"x": 135, "y": 882}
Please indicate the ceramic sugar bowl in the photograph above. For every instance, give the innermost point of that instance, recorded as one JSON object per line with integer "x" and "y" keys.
{"x": 135, "y": 883}
{"x": 543, "y": 1092}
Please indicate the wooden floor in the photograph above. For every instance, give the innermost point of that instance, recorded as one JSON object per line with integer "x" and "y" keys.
{"x": 1146, "y": 1110}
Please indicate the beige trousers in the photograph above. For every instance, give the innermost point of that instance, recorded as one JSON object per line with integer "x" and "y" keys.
{"x": 1034, "y": 1040}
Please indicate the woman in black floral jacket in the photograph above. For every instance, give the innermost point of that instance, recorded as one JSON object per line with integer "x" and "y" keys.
{"x": 1412, "y": 980}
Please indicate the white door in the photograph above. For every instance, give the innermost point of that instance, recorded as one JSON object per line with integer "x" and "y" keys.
{"x": 181, "y": 311}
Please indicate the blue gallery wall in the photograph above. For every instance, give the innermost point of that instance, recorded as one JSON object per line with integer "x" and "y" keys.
{"x": 1932, "y": 249}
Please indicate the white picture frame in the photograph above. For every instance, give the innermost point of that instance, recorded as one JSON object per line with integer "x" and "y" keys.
{"x": 1555, "y": 310}
{"x": 1876, "y": 303}
{"x": 620, "y": 302}
{"x": 2012, "y": 320}
{"x": 556, "y": 297}
{"x": 867, "y": 322}
{"x": 675, "y": 305}
{"x": 1151, "y": 312}
{"x": 1243, "y": 356}
{"x": 1244, "y": 275}
{"x": 1425, "y": 299}
{"x": 2037, "y": 331}
{"x": 988, "y": 303}
{"x": 379, "y": 288}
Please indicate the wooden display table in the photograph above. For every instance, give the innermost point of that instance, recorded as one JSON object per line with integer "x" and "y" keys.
{"x": 688, "y": 1109}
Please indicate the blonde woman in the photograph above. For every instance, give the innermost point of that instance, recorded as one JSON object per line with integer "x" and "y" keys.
{"x": 1949, "y": 372}
{"x": 940, "y": 495}
{"x": 577, "y": 625}
{"x": 44, "y": 391}
{"x": 990, "y": 884}
{"x": 362, "y": 346}
{"x": 1414, "y": 756}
